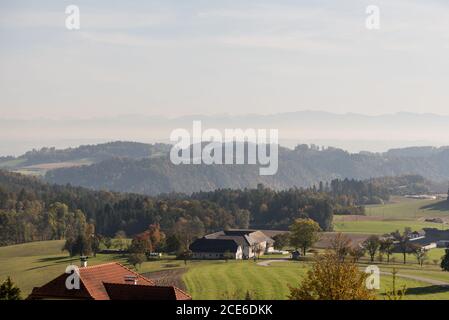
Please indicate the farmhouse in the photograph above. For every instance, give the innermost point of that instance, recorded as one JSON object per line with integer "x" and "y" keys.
{"x": 428, "y": 238}
{"x": 110, "y": 281}
{"x": 439, "y": 237}
{"x": 237, "y": 243}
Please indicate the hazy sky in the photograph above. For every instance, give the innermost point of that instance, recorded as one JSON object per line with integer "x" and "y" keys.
{"x": 188, "y": 57}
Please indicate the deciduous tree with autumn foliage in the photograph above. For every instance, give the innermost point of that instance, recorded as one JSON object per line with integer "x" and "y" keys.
{"x": 148, "y": 241}
{"x": 332, "y": 278}
{"x": 304, "y": 233}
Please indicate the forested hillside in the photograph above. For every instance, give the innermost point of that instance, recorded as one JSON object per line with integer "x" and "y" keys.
{"x": 31, "y": 210}
{"x": 302, "y": 167}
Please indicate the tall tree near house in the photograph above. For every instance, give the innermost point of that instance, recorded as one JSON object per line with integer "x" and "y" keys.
{"x": 172, "y": 244}
{"x": 107, "y": 241}
{"x": 257, "y": 250}
{"x": 155, "y": 235}
{"x": 95, "y": 244}
{"x": 420, "y": 254}
{"x": 445, "y": 261}
{"x": 9, "y": 291}
{"x": 149, "y": 240}
{"x": 304, "y": 233}
{"x": 120, "y": 237}
{"x": 187, "y": 230}
{"x": 60, "y": 211}
{"x": 185, "y": 255}
{"x": 281, "y": 241}
{"x": 387, "y": 247}
{"x": 403, "y": 242}
{"x": 136, "y": 259}
{"x": 341, "y": 245}
{"x": 140, "y": 245}
{"x": 357, "y": 253}
{"x": 332, "y": 278}
{"x": 372, "y": 245}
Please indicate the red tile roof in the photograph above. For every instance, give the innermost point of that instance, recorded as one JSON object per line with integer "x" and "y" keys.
{"x": 56, "y": 289}
{"x": 94, "y": 276}
{"x": 92, "y": 284}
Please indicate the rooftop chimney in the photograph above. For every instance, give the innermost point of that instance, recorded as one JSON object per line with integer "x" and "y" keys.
{"x": 131, "y": 279}
{"x": 83, "y": 260}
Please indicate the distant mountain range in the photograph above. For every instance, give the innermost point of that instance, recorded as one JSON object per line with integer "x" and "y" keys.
{"x": 144, "y": 168}
{"x": 352, "y": 132}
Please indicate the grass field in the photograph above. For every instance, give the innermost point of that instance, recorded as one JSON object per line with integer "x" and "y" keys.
{"x": 221, "y": 280}
{"x": 397, "y": 215}
{"x": 42, "y": 168}
{"x": 381, "y": 227}
{"x": 11, "y": 163}
{"x": 34, "y": 264}
{"x": 405, "y": 208}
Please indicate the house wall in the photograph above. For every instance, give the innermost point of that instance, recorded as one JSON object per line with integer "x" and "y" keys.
{"x": 239, "y": 254}
{"x": 248, "y": 252}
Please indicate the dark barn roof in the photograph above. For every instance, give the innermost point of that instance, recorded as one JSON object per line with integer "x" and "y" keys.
{"x": 214, "y": 245}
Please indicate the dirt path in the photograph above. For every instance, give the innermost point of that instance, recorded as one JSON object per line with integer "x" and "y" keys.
{"x": 434, "y": 282}
{"x": 266, "y": 263}
{"x": 417, "y": 278}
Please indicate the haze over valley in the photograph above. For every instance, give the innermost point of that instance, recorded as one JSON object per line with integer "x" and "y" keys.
{"x": 350, "y": 131}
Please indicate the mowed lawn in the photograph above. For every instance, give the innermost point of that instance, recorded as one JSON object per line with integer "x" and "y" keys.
{"x": 34, "y": 264}
{"x": 405, "y": 208}
{"x": 220, "y": 280}
{"x": 382, "y": 226}
{"x": 233, "y": 279}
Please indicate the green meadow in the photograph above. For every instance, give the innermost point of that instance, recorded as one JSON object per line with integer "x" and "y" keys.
{"x": 34, "y": 264}
{"x": 381, "y": 226}
{"x": 404, "y": 208}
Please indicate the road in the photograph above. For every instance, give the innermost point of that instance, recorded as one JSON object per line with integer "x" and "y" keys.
{"x": 266, "y": 263}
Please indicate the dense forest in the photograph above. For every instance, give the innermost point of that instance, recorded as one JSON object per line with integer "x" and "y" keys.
{"x": 32, "y": 210}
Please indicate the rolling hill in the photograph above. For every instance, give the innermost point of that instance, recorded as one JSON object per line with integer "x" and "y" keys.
{"x": 147, "y": 169}
{"x": 301, "y": 167}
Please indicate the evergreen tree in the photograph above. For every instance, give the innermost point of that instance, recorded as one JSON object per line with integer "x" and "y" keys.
{"x": 9, "y": 291}
{"x": 445, "y": 261}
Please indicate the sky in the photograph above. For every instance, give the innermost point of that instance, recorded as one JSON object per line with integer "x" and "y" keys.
{"x": 176, "y": 58}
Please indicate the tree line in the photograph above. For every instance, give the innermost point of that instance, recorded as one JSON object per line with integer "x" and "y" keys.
{"x": 31, "y": 210}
